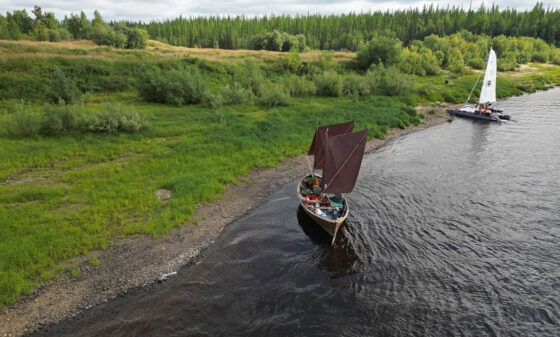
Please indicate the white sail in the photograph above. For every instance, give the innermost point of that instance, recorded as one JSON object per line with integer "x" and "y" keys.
{"x": 488, "y": 90}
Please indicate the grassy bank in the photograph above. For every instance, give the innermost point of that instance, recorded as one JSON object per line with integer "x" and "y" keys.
{"x": 64, "y": 195}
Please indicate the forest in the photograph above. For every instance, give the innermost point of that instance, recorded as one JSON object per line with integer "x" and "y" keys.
{"x": 349, "y": 31}
{"x": 314, "y": 31}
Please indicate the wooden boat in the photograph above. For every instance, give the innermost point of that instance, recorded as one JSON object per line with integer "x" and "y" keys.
{"x": 338, "y": 152}
{"x": 483, "y": 110}
{"x": 322, "y": 212}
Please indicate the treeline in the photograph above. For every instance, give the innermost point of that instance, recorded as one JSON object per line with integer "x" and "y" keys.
{"x": 350, "y": 31}
{"x": 45, "y": 27}
{"x": 282, "y": 33}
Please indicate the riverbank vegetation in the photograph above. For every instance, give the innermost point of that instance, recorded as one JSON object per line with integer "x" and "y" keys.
{"x": 88, "y": 134}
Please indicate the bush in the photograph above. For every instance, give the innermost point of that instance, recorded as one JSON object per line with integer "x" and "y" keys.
{"x": 23, "y": 121}
{"x": 507, "y": 62}
{"x": 555, "y": 56}
{"x": 54, "y": 35}
{"x": 457, "y": 69}
{"x": 136, "y": 38}
{"x": 63, "y": 89}
{"x": 64, "y": 34}
{"x": 62, "y": 119}
{"x": 382, "y": 49}
{"x": 298, "y": 86}
{"x": 374, "y": 77}
{"x": 476, "y": 63}
{"x": 102, "y": 35}
{"x": 250, "y": 77}
{"x": 113, "y": 119}
{"x": 396, "y": 83}
{"x": 279, "y": 41}
{"x": 329, "y": 84}
{"x": 354, "y": 85}
{"x": 212, "y": 100}
{"x": 59, "y": 119}
{"x": 235, "y": 94}
{"x": 119, "y": 40}
{"x": 178, "y": 87}
{"x": 293, "y": 61}
{"x": 275, "y": 96}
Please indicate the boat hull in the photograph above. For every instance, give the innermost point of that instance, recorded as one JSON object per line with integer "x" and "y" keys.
{"x": 473, "y": 115}
{"x": 331, "y": 226}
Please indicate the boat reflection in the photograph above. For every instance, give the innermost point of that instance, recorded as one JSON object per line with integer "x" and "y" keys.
{"x": 338, "y": 259}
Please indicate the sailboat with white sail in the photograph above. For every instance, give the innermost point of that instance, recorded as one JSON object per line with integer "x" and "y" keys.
{"x": 484, "y": 110}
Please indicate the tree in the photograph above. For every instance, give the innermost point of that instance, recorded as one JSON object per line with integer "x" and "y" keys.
{"x": 40, "y": 31}
{"x": 137, "y": 38}
{"x": 382, "y": 49}
{"x": 97, "y": 19}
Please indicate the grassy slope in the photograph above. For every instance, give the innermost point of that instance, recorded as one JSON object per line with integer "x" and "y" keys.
{"x": 63, "y": 196}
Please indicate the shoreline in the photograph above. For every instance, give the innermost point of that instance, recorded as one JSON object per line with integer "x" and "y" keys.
{"x": 140, "y": 259}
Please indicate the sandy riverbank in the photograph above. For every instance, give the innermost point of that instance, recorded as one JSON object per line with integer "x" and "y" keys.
{"x": 138, "y": 260}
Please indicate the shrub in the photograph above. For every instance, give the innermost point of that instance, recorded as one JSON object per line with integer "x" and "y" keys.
{"x": 250, "y": 77}
{"x": 354, "y": 85}
{"x": 293, "y": 61}
{"x": 329, "y": 84}
{"x": 212, "y": 100}
{"x": 113, "y": 119}
{"x": 381, "y": 49}
{"x": 64, "y": 34}
{"x": 178, "y": 87}
{"x": 23, "y": 121}
{"x": 457, "y": 69}
{"x": 63, "y": 89}
{"x": 54, "y": 35}
{"x": 476, "y": 63}
{"x": 278, "y": 41}
{"x": 274, "y": 96}
{"x": 555, "y": 56}
{"x": 119, "y": 40}
{"x": 102, "y": 35}
{"x": 235, "y": 94}
{"x": 298, "y": 86}
{"x": 136, "y": 38}
{"x": 374, "y": 76}
{"x": 59, "y": 119}
{"x": 396, "y": 83}
{"x": 507, "y": 62}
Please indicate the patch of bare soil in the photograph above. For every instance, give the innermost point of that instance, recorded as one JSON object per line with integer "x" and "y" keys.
{"x": 136, "y": 261}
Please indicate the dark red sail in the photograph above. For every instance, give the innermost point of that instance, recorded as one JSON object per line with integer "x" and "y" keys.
{"x": 318, "y": 145}
{"x": 343, "y": 158}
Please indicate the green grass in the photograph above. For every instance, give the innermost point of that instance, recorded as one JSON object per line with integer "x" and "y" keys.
{"x": 66, "y": 195}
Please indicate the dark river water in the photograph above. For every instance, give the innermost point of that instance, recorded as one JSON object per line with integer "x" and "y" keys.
{"x": 453, "y": 231}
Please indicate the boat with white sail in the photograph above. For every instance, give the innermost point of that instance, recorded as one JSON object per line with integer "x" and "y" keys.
{"x": 484, "y": 109}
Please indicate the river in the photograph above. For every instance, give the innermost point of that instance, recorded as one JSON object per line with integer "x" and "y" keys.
{"x": 453, "y": 231}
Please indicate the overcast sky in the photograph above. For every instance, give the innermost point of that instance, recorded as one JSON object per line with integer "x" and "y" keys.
{"x": 147, "y": 10}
